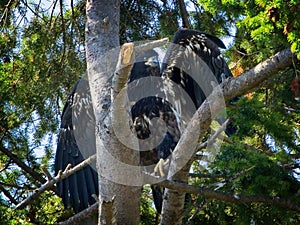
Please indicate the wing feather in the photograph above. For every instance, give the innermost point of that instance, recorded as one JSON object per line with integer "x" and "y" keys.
{"x": 76, "y": 142}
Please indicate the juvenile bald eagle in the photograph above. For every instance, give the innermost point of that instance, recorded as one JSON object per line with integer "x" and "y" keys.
{"x": 178, "y": 63}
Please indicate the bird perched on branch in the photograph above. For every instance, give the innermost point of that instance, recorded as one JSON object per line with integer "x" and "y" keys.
{"x": 76, "y": 140}
{"x": 184, "y": 85}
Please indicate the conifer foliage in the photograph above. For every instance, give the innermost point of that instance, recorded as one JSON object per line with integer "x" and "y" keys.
{"x": 255, "y": 177}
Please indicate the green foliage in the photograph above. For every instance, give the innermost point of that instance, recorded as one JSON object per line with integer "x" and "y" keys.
{"x": 148, "y": 213}
{"x": 44, "y": 211}
{"x": 260, "y": 179}
{"x": 216, "y": 212}
{"x": 260, "y": 160}
{"x": 39, "y": 63}
{"x": 270, "y": 25}
{"x": 139, "y": 20}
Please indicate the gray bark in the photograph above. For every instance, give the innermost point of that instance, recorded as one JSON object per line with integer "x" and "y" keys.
{"x": 118, "y": 201}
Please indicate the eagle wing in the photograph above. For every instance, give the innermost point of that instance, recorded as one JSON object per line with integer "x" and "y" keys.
{"x": 76, "y": 142}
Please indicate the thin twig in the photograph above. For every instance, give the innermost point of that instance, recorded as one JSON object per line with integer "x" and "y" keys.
{"x": 34, "y": 12}
{"x": 46, "y": 172}
{"x": 60, "y": 176}
{"x": 214, "y": 136}
{"x": 243, "y": 56}
{"x": 198, "y": 208}
{"x": 5, "y": 13}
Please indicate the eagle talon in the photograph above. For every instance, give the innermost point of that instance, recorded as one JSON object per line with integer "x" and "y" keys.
{"x": 162, "y": 167}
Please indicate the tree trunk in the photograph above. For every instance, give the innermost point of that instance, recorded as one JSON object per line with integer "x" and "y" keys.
{"x": 119, "y": 201}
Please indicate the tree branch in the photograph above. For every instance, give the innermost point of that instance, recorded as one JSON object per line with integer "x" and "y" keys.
{"x": 8, "y": 195}
{"x": 63, "y": 30}
{"x": 184, "y": 14}
{"x": 5, "y": 14}
{"x": 34, "y": 12}
{"x": 22, "y": 165}
{"x": 215, "y": 135}
{"x": 231, "y": 88}
{"x": 231, "y": 198}
{"x": 126, "y": 61}
{"x": 204, "y": 175}
{"x": 77, "y": 218}
{"x": 151, "y": 45}
{"x": 60, "y": 176}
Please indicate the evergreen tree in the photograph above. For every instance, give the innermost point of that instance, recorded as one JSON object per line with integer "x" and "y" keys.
{"x": 42, "y": 54}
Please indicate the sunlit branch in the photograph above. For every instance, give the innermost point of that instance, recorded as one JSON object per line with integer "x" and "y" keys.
{"x": 213, "y": 137}
{"x": 60, "y": 176}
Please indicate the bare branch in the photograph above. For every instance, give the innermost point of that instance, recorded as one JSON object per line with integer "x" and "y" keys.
{"x": 231, "y": 198}
{"x": 215, "y": 135}
{"x": 77, "y": 218}
{"x": 60, "y": 176}
{"x": 46, "y": 172}
{"x": 251, "y": 80}
{"x": 151, "y": 45}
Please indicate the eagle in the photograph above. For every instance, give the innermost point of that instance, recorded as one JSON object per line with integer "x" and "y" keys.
{"x": 180, "y": 72}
